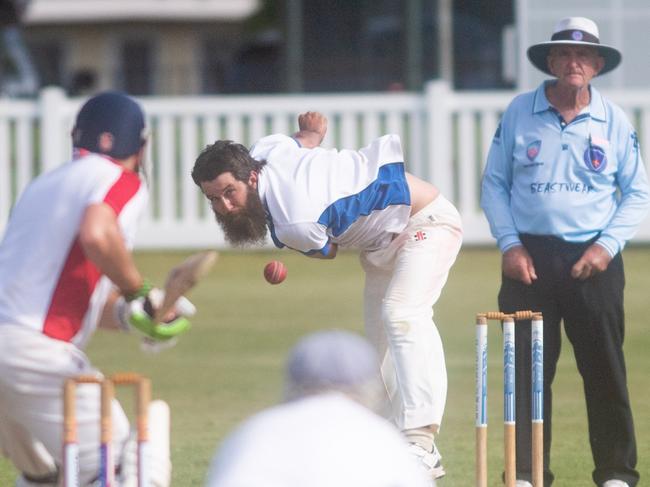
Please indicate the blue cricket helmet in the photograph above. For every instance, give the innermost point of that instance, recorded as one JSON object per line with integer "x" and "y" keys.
{"x": 113, "y": 113}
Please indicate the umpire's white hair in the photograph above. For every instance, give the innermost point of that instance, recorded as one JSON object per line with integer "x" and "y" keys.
{"x": 334, "y": 360}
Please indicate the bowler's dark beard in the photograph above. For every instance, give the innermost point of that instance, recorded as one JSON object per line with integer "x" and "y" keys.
{"x": 248, "y": 226}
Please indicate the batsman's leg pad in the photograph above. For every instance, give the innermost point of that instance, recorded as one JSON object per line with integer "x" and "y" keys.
{"x": 157, "y": 452}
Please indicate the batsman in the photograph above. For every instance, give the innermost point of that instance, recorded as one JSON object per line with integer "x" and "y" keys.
{"x": 315, "y": 200}
{"x": 66, "y": 269}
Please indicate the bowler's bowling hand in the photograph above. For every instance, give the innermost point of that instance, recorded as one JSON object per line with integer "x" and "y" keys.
{"x": 313, "y": 127}
{"x": 313, "y": 122}
{"x": 593, "y": 261}
{"x": 517, "y": 264}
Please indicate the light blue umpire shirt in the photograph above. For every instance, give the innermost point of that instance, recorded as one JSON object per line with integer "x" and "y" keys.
{"x": 573, "y": 181}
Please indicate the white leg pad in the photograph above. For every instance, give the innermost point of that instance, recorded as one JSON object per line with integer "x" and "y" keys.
{"x": 156, "y": 454}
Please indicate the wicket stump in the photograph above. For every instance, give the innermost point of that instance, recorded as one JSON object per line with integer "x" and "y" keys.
{"x": 509, "y": 399}
{"x": 142, "y": 387}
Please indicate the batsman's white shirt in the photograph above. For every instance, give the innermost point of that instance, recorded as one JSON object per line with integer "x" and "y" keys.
{"x": 354, "y": 198}
{"x": 47, "y": 284}
{"x": 319, "y": 441}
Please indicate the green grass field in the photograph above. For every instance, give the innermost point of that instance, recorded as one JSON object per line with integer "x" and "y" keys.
{"x": 230, "y": 364}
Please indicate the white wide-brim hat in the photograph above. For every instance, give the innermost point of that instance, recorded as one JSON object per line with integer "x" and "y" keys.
{"x": 575, "y": 31}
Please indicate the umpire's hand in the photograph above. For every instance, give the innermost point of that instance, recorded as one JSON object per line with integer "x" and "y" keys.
{"x": 594, "y": 260}
{"x": 517, "y": 264}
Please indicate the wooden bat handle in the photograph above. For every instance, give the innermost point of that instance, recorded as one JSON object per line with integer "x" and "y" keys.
{"x": 183, "y": 277}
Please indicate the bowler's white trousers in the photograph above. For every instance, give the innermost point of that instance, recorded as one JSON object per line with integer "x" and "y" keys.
{"x": 403, "y": 282}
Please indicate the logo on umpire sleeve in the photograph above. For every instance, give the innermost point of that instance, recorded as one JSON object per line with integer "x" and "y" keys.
{"x": 595, "y": 158}
{"x": 497, "y": 135}
{"x": 635, "y": 141}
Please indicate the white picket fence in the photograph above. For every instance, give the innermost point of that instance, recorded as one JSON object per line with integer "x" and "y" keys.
{"x": 446, "y": 135}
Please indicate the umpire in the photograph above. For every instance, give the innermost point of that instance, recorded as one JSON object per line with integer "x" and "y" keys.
{"x": 564, "y": 189}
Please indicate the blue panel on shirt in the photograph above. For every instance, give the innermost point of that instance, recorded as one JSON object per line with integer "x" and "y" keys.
{"x": 276, "y": 241}
{"x": 274, "y": 237}
{"x": 324, "y": 251}
{"x": 388, "y": 189}
{"x": 269, "y": 222}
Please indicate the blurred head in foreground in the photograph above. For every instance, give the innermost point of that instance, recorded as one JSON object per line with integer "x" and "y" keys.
{"x": 326, "y": 434}
{"x": 334, "y": 361}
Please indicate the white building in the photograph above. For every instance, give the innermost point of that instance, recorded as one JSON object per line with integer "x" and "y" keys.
{"x": 165, "y": 47}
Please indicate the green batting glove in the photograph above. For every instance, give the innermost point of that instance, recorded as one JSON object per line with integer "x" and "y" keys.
{"x": 139, "y": 313}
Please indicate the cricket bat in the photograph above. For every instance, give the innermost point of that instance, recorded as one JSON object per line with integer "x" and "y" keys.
{"x": 184, "y": 277}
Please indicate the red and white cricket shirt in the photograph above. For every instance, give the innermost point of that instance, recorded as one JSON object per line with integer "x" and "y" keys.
{"x": 46, "y": 281}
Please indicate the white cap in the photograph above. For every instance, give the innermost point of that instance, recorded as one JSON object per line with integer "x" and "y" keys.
{"x": 330, "y": 360}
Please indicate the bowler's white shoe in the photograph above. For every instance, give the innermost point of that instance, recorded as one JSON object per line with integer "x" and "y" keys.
{"x": 523, "y": 483}
{"x": 615, "y": 483}
{"x": 429, "y": 461}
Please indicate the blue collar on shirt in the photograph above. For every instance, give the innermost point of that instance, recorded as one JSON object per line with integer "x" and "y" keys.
{"x": 595, "y": 109}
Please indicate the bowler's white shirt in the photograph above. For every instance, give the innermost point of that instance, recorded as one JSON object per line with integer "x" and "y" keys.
{"x": 46, "y": 282}
{"x": 325, "y": 440}
{"x": 354, "y": 198}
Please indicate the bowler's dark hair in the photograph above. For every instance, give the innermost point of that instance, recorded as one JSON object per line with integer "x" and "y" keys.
{"x": 225, "y": 156}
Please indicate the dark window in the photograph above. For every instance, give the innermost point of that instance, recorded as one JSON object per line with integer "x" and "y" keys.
{"x": 331, "y": 45}
{"x": 47, "y": 56}
{"x": 136, "y": 67}
{"x": 383, "y": 46}
{"x": 212, "y": 67}
{"x": 256, "y": 66}
{"x": 364, "y": 45}
{"x": 478, "y": 30}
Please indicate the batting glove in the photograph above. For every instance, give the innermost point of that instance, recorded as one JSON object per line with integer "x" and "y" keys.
{"x": 139, "y": 313}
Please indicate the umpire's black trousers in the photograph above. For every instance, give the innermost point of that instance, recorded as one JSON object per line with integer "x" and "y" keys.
{"x": 592, "y": 311}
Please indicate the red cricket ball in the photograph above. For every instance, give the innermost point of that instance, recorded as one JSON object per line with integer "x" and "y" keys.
{"x": 275, "y": 272}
